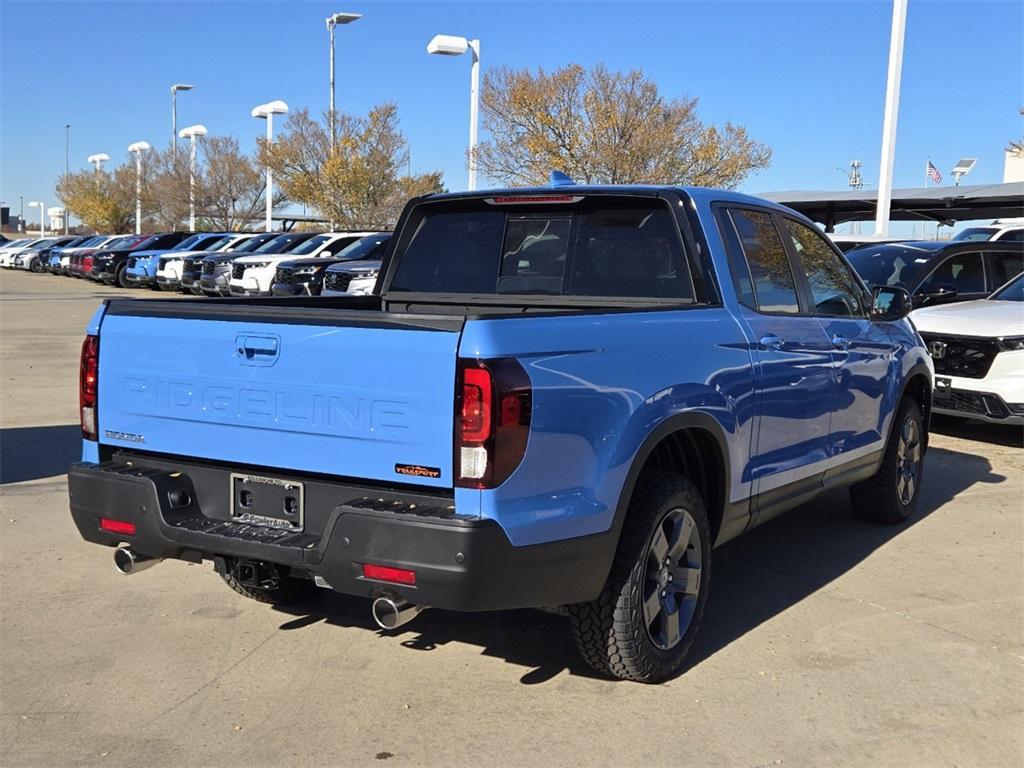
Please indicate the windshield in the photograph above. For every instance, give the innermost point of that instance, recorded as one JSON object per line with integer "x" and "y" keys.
{"x": 253, "y": 243}
{"x": 213, "y": 243}
{"x": 975, "y": 234}
{"x": 281, "y": 243}
{"x": 91, "y": 241}
{"x": 369, "y": 247}
{"x": 310, "y": 245}
{"x": 1012, "y": 291}
{"x": 888, "y": 264}
{"x": 41, "y": 244}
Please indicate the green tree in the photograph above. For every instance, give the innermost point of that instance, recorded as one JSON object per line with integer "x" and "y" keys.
{"x": 604, "y": 127}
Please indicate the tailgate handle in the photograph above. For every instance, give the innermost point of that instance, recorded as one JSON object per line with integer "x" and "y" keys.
{"x": 257, "y": 350}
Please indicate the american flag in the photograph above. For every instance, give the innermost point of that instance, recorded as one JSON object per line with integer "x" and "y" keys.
{"x": 933, "y": 173}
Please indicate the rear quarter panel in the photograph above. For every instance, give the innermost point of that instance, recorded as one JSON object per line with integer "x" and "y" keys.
{"x": 601, "y": 385}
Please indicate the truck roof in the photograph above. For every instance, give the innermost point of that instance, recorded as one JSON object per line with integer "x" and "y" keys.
{"x": 698, "y": 194}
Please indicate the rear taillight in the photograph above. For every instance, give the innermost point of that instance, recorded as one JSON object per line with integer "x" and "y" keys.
{"x": 492, "y": 422}
{"x": 88, "y": 385}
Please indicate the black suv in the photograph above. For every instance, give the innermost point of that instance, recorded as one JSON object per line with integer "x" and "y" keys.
{"x": 939, "y": 271}
{"x": 108, "y": 265}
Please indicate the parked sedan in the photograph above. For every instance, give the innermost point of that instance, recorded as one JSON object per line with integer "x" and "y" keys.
{"x": 977, "y": 348}
{"x": 8, "y": 251}
{"x": 357, "y": 274}
{"x": 939, "y": 272}
{"x": 30, "y": 258}
{"x": 41, "y": 262}
{"x": 209, "y": 275}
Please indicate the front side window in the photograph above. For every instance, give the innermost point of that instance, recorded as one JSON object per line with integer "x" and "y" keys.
{"x": 1007, "y": 267}
{"x": 771, "y": 274}
{"x": 833, "y": 291}
{"x": 964, "y": 273}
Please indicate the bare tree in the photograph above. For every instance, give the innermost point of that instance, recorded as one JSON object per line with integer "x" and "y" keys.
{"x": 233, "y": 188}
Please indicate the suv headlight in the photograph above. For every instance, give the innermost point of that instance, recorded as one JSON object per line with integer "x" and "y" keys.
{"x": 371, "y": 275}
{"x": 304, "y": 270}
{"x": 1010, "y": 343}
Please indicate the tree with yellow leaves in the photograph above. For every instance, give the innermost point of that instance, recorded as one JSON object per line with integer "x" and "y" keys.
{"x": 103, "y": 200}
{"x": 603, "y": 127}
{"x": 361, "y": 185}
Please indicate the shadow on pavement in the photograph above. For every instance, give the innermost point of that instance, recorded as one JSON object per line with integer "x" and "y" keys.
{"x": 30, "y": 453}
{"x": 755, "y": 577}
{"x": 1010, "y": 435}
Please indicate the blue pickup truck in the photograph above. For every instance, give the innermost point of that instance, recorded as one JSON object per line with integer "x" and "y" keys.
{"x": 562, "y": 396}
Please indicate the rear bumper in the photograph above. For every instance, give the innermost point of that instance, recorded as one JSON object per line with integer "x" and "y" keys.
{"x": 460, "y": 564}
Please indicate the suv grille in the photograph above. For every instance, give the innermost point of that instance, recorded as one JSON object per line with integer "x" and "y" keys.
{"x": 338, "y": 281}
{"x": 208, "y": 267}
{"x": 131, "y": 262}
{"x": 961, "y": 355}
{"x": 283, "y": 276}
{"x": 979, "y": 403}
{"x": 237, "y": 270}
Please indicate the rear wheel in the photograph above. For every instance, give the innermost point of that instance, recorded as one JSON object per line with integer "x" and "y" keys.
{"x": 265, "y": 583}
{"x": 890, "y": 496}
{"x": 642, "y": 625}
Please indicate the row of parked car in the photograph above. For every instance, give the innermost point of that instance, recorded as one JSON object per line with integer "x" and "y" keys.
{"x": 213, "y": 263}
{"x": 967, "y": 303}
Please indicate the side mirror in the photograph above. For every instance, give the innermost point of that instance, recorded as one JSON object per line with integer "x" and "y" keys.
{"x": 325, "y": 254}
{"x": 889, "y": 303}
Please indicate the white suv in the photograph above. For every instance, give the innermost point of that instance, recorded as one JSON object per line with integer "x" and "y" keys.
{"x": 254, "y": 275}
{"x": 1006, "y": 230}
{"x": 978, "y": 351}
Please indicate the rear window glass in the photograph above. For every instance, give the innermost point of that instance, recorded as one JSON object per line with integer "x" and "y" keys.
{"x": 602, "y": 248}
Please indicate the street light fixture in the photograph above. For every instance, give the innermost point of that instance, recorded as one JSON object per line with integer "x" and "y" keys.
{"x": 332, "y": 21}
{"x": 192, "y": 132}
{"x": 174, "y": 109}
{"x": 42, "y": 214}
{"x": 449, "y": 45}
{"x": 98, "y": 160}
{"x": 138, "y": 148}
{"x": 267, "y": 112}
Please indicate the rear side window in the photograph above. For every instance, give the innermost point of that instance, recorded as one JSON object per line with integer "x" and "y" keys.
{"x": 771, "y": 275}
{"x": 598, "y": 247}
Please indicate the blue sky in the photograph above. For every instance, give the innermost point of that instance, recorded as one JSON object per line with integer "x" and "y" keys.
{"x": 807, "y": 78}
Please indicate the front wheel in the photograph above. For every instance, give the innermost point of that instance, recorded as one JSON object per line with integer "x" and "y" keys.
{"x": 36, "y": 266}
{"x": 891, "y": 494}
{"x": 643, "y": 623}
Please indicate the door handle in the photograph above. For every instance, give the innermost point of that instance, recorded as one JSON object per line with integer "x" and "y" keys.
{"x": 771, "y": 341}
{"x": 840, "y": 342}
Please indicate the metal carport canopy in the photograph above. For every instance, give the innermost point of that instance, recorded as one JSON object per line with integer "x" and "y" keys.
{"x": 942, "y": 204}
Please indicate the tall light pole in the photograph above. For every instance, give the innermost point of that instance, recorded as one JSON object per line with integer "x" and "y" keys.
{"x": 138, "y": 148}
{"x": 192, "y": 132}
{"x": 67, "y": 145}
{"x": 267, "y": 112}
{"x": 448, "y": 45}
{"x": 892, "y": 107}
{"x": 42, "y": 215}
{"x": 174, "y": 109}
{"x": 98, "y": 160}
{"x": 332, "y": 21}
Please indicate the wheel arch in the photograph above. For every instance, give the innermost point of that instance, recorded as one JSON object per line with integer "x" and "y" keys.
{"x": 692, "y": 444}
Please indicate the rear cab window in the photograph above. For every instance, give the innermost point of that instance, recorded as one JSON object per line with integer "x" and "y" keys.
{"x": 597, "y": 246}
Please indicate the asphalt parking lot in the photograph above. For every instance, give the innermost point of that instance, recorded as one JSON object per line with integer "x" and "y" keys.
{"x": 827, "y": 640}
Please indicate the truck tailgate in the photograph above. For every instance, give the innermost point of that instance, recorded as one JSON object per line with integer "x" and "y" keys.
{"x": 351, "y": 393}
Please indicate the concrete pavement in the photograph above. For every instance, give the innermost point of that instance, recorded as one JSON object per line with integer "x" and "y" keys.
{"x": 827, "y": 640}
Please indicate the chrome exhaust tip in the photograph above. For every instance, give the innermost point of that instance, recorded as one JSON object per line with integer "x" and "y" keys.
{"x": 128, "y": 561}
{"x": 394, "y": 612}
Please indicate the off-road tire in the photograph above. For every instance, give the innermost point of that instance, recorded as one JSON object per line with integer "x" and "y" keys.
{"x": 879, "y": 497}
{"x": 289, "y": 590}
{"x": 611, "y": 632}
